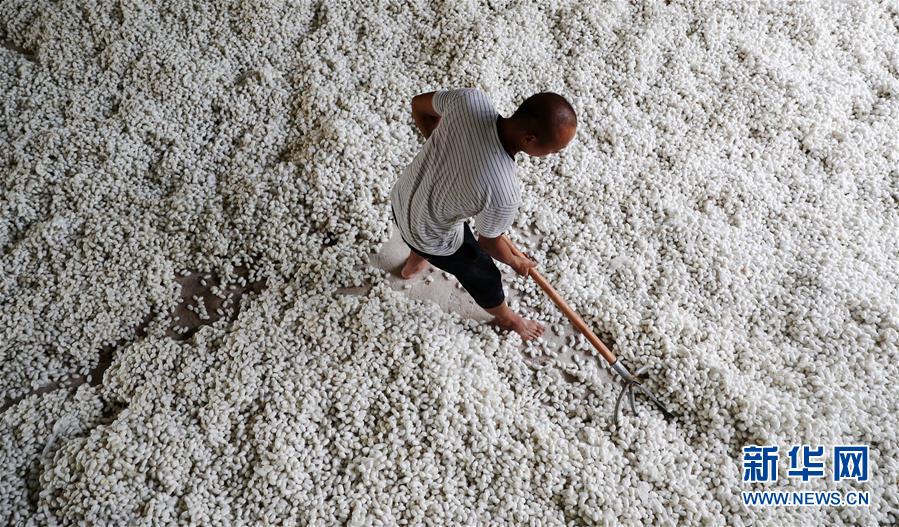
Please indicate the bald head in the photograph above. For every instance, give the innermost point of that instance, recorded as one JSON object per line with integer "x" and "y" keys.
{"x": 548, "y": 116}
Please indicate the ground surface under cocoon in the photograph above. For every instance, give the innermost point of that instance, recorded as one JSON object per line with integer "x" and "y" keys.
{"x": 728, "y": 209}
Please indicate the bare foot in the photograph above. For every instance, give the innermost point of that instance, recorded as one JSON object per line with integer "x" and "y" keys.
{"x": 528, "y": 329}
{"x": 414, "y": 265}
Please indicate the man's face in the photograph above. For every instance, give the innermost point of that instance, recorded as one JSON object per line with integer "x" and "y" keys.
{"x": 533, "y": 146}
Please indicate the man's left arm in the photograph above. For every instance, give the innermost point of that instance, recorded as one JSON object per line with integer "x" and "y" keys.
{"x": 424, "y": 114}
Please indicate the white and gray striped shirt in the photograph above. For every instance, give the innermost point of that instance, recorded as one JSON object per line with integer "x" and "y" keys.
{"x": 461, "y": 171}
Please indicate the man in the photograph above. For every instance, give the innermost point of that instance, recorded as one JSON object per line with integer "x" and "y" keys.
{"x": 467, "y": 168}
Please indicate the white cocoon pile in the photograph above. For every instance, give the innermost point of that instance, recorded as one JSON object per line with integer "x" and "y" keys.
{"x": 728, "y": 210}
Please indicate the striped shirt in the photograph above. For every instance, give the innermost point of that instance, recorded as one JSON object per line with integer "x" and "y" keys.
{"x": 461, "y": 171}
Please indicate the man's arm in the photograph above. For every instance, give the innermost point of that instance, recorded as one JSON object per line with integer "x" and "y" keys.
{"x": 499, "y": 249}
{"x": 426, "y": 118}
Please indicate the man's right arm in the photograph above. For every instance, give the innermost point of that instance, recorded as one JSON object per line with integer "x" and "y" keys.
{"x": 426, "y": 118}
{"x": 499, "y": 249}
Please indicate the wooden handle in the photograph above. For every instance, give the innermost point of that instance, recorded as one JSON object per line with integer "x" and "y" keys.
{"x": 572, "y": 315}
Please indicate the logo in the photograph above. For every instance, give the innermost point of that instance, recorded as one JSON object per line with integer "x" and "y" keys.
{"x": 850, "y": 462}
{"x": 760, "y": 464}
{"x": 805, "y": 463}
{"x": 809, "y": 464}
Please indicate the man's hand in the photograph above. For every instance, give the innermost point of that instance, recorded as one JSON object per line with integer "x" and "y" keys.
{"x": 522, "y": 264}
{"x": 500, "y": 250}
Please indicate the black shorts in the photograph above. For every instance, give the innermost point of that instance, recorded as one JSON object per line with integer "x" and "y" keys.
{"x": 472, "y": 266}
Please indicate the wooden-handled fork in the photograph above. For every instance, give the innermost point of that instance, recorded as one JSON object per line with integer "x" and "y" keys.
{"x": 630, "y": 381}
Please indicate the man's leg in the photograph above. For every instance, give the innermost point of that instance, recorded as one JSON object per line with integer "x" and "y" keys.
{"x": 414, "y": 265}
{"x": 508, "y": 319}
{"x": 477, "y": 273}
